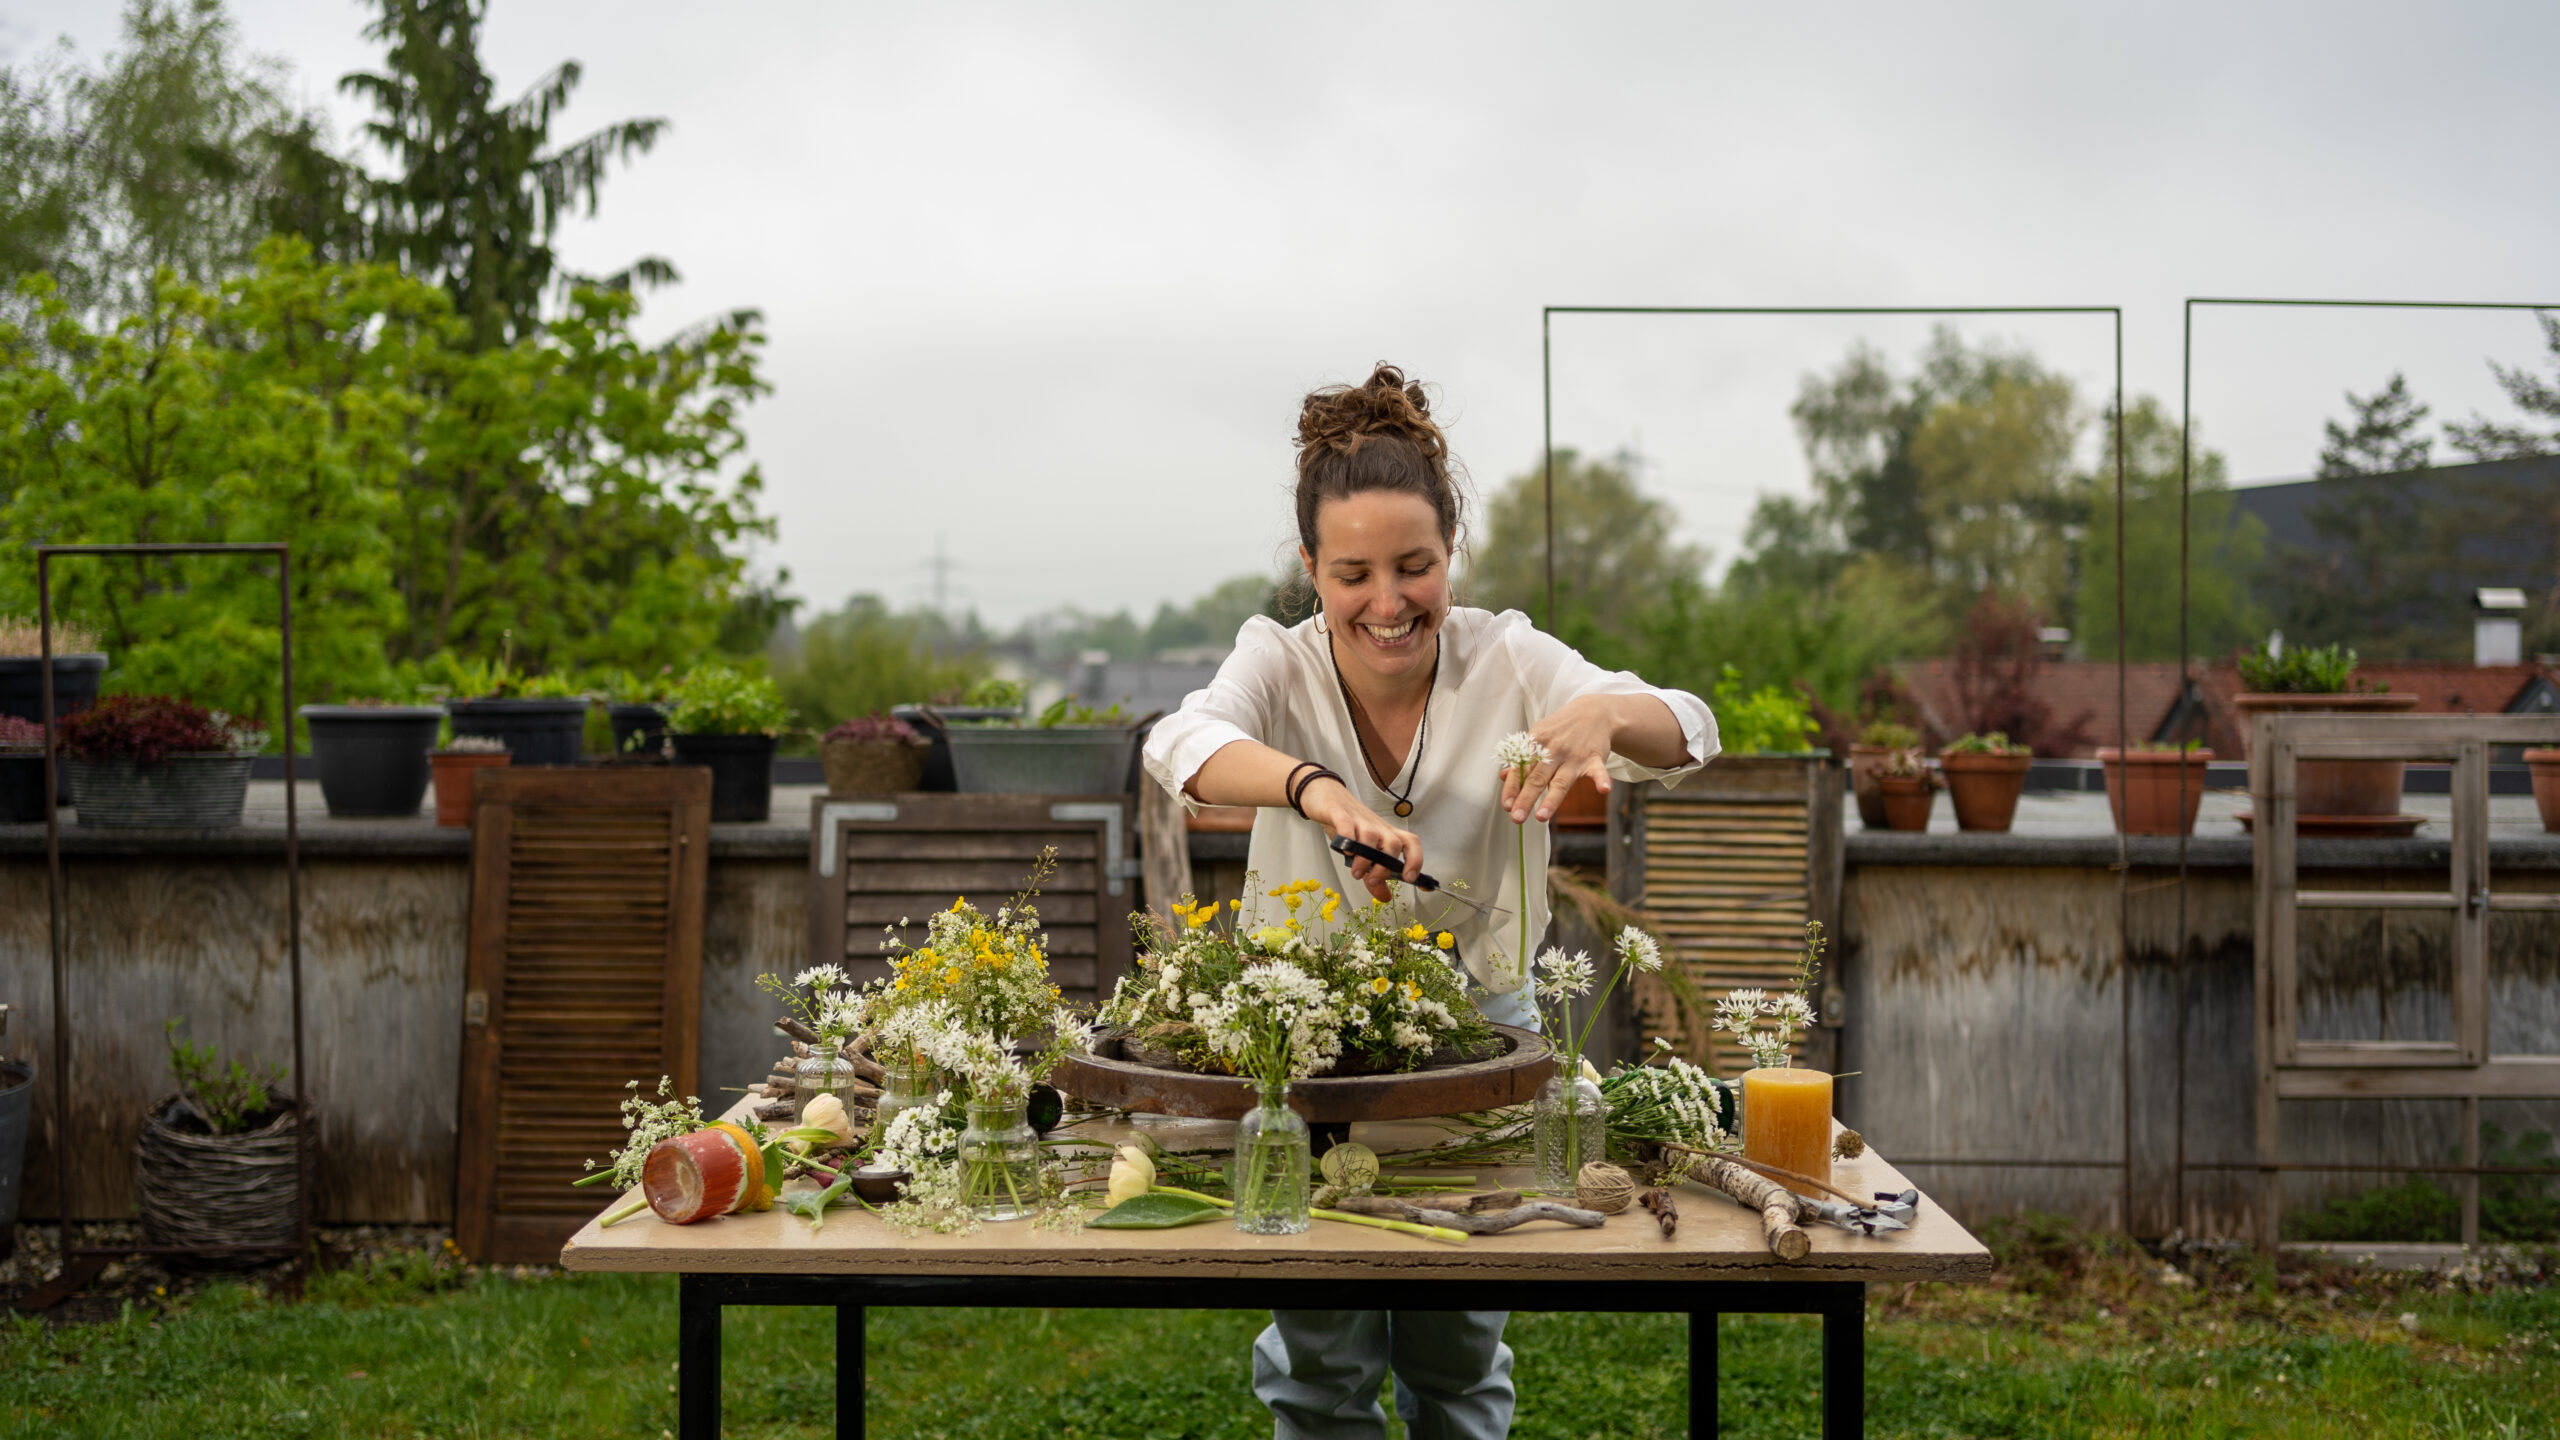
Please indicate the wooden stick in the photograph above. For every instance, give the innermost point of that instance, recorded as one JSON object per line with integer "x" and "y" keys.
{"x": 1776, "y": 1204}
{"x": 1774, "y": 1172}
{"x": 1470, "y": 1222}
{"x": 795, "y": 1030}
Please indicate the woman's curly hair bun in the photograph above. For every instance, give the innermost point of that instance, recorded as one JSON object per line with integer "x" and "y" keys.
{"x": 1376, "y": 435}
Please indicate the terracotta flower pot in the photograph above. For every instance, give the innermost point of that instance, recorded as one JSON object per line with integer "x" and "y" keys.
{"x": 1985, "y": 787}
{"x": 2143, "y": 789}
{"x": 1907, "y": 800}
{"x": 453, "y": 771}
{"x": 1866, "y": 762}
{"x": 2545, "y": 765}
{"x": 2332, "y": 787}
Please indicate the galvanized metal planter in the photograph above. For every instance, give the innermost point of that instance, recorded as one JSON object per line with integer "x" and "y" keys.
{"x": 181, "y": 792}
{"x": 1062, "y": 760}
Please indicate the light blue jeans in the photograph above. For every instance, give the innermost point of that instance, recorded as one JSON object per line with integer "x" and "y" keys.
{"x": 1319, "y": 1370}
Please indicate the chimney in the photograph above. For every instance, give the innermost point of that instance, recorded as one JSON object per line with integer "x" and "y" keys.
{"x": 2497, "y": 626}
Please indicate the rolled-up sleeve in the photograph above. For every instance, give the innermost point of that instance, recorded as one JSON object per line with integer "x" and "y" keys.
{"x": 1242, "y": 702}
{"x": 1555, "y": 673}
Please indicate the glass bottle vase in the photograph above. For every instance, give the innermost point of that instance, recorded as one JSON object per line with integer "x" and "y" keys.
{"x": 1268, "y": 1172}
{"x": 823, "y": 1073}
{"x": 1571, "y": 1126}
{"x": 999, "y": 1161}
{"x": 902, "y": 1088}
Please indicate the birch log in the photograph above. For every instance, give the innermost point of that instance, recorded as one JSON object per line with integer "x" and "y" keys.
{"x": 1776, "y": 1204}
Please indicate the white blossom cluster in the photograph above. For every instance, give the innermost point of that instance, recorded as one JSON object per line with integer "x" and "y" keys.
{"x": 1562, "y": 976}
{"x": 1274, "y": 1022}
{"x": 1520, "y": 752}
{"x": 1764, "y": 1024}
{"x": 650, "y": 1122}
{"x": 1671, "y": 1101}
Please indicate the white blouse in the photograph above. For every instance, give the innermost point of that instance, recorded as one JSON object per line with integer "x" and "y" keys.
{"x": 1498, "y": 674}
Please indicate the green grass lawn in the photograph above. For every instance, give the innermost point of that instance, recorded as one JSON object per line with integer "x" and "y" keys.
{"x": 2070, "y": 1339}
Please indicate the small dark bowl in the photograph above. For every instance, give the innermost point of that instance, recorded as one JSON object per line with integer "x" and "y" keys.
{"x": 881, "y": 1187}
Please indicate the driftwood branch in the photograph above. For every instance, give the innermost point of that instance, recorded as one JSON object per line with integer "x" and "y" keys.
{"x": 795, "y": 1030}
{"x": 1470, "y": 1222}
{"x": 1774, "y": 1172}
{"x": 1776, "y": 1204}
{"x": 1665, "y": 1214}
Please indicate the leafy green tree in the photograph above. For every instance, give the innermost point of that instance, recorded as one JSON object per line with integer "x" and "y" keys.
{"x": 2484, "y": 439}
{"x": 2226, "y": 546}
{"x": 2382, "y": 436}
{"x": 1613, "y": 548}
{"x": 1214, "y": 618}
{"x": 481, "y": 187}
{"x": 867, "y": 657}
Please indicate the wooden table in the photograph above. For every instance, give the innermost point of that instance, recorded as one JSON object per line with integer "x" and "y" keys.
{"x": 1717, "y": 1264}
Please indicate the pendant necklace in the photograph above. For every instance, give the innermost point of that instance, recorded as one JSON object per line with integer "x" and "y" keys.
{"x": 1421, "y": 729}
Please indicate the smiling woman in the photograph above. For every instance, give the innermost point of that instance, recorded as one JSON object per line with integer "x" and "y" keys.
{"x": 1379, "y": 720}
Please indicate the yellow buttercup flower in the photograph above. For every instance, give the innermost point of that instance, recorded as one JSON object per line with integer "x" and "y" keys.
{"x": 1445, "y": 940}
{"x": 1381, "y": 985}
{"x": 1412, "y": 991}
{"x": 1331, "y": 906}
{"x": 1418, "y": 932}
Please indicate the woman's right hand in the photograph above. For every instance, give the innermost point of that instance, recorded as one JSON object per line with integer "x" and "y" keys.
{"x": 1332, "y": 805}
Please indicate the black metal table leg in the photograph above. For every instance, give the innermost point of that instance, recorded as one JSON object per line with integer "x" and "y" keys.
{"x": 850, "y": 1377}
{"x": 1844, "y": 1363}
{"x": 697, "y": 1358}
{"x": 1702, "y": 1375}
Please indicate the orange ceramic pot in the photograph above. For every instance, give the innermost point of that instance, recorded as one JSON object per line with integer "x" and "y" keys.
{"x": 2143, "y": 789}
{"x": 1985, "y": 788}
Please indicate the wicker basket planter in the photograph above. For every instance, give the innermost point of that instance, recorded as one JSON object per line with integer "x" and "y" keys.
{"x": 196, "y": 1188}
{"x": 181, "y": 792}
{"x": 873, "y": 767}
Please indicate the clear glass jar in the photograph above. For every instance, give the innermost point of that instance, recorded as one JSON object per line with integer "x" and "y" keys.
{"x": 902, "y": 1089}
{"x": 999, "y": 1161}
{"x": 1571, "y": 1126}
{"x": 824, "y": 1074}
{"x": 1268, "y": 1172}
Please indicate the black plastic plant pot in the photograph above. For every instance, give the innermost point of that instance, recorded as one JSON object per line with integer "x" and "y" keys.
{"x": 75, "y": 685}
{"x": 639, "y": 731}
{"x": 535, "y": 732}
{"x": 372, "y": 759}
{"x": 741, "y": 772}
{"x": 21, "y": 787}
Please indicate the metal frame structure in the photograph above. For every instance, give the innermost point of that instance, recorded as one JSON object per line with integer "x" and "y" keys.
{"x": 2461, "y": 1068}
{"x": 2123, "y": 1164}
{"x": 80, "y": 1263}
{"x": 1840, "y": 1303}
{"x": 2471, "y": 1170}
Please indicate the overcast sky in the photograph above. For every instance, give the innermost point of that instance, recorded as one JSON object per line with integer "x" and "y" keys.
{"x": 1045, "y": 283}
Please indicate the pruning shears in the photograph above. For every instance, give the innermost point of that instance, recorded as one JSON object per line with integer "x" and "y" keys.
{"x": 1352, "y": 849}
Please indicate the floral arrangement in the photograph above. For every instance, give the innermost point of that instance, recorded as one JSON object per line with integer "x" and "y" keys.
{"x": 1390, "y": 983}
{"x": 983, "y": 975}
{"x": 1274, "y": 1023}
{"x": 17, "y": 734}
{"x": 147, "y": 729}
{"x": 1563, "y": 979}
{"x": 1764, "y": 1025}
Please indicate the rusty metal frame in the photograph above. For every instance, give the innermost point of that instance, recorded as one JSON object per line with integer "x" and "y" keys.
{"x": 69, "y": 1279}
{"x": 2462, "y": 1068}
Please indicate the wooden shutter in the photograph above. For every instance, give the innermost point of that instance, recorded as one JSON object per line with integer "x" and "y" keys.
{"x": 876, "y": 861}
{"x": 585, "y": 973}
{"x": 1729, "y": 867}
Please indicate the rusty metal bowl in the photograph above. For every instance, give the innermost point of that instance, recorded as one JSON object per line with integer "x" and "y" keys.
{"x": 1511, "y": 1076}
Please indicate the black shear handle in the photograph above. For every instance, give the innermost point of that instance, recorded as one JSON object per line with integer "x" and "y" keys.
{"x": 1345, "y": 845}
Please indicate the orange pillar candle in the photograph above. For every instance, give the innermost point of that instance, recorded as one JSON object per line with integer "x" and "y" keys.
{"x": 1786, "y": 1122}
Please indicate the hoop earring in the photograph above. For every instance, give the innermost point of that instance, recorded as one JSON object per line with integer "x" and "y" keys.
{"x": 1320, "y": 625}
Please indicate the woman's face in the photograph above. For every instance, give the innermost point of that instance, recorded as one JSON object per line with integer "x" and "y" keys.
{"x": 1381, "y": 572}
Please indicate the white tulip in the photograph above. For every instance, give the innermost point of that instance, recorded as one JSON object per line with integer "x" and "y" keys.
{"x": 827, "y": 1113}
{"x": 1132, "y": 1174}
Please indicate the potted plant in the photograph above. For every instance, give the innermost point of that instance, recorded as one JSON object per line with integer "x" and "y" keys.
{"x": 873, "y": 754}
{"x": 1907, "y": 789}
{"x": 77, "y": 666}
{"x": 541, "y": 719}
{"x": 637, "y": 711}
{"x": 372, "y": 755}
{"x": 2145, "y": 785}
{"x": 1070, "y": 749}
{"x": 157, "y": 760}
{"x": 728, "y": 720}
{"x": 2545, "y": 767}
{"x": 21, "y": 771}
{"x": 1874, "y": 745}
{"x": 216, "y": 1160}
{"x": 1984, "y": 774}
{"x": 2321, "y": 680}
{"x": 453, "y": 766}
{"x": 991, "y": 699}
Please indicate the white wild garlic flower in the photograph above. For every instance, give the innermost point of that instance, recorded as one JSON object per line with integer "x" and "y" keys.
{"x": 1520, "y": 752}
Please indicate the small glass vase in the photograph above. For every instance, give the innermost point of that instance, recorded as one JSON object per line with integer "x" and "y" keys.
{"x": 824, "y": 1074}
{"x": 999, "y": 1161}
{"x": 902, "y": 1089}
{"x": 1572, "y": 1128}
{"x": 1268, "y": 1173}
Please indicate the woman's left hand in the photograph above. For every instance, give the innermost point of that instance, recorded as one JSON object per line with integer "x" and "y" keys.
{"x": 1578, "y": 739}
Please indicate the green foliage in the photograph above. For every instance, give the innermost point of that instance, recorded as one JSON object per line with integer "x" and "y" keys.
{"x": 1993, "y": 743}
{"x": 2225, "y": 546}
{"x": 563, "y": 496}
{"x": 2383, "y": 437}
{"x": 1613, "y": 552}
{"x": 866, "y": 657}
{"x": 2514, "y": 1209}
{"x": 2300, "y": 670}
{"x": 994, "y": 693}
{"x": 719, "y": 699}
{"x": 230, "y": 1101}
{"x": 1766, "y": 721}
{"x": 1156, "y": 1212}
{"x": 1888, "y": 735}
{"x": 1065, "y": 711}
{"x": 2485, "y": 439}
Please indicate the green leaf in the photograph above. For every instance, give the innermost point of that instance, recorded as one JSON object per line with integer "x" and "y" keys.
{"x": 814, "y": 1203}
{"x": 1155, "y": 1212}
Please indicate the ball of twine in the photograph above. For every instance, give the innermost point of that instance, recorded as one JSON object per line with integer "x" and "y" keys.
{"x": 1350, "y": 1165}
{"x": 1604, "y": 1187}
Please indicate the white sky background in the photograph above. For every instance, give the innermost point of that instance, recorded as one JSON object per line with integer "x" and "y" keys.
{"x": 1047, "y": 281}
